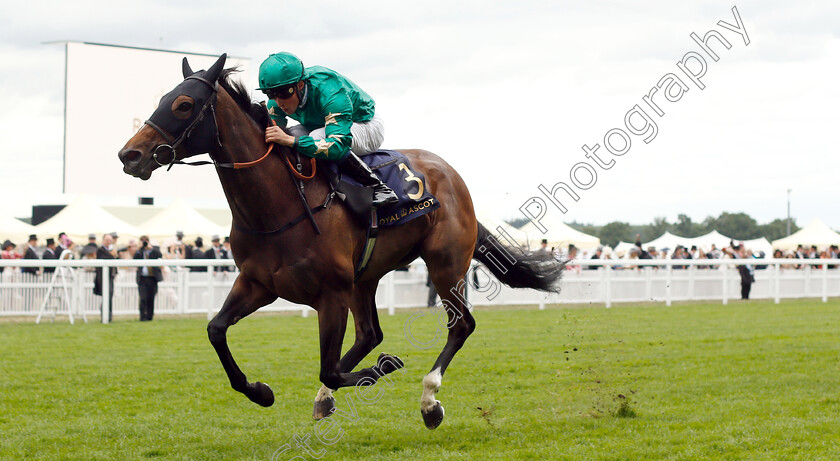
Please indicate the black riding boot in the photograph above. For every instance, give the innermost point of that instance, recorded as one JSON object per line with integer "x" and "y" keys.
{"x": 355, "y": 167}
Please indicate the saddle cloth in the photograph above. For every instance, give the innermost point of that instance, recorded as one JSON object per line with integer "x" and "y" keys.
{"x": 394, "y": 169}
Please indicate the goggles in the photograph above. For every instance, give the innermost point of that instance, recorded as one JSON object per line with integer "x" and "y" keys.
{"x": 281, "y": 92}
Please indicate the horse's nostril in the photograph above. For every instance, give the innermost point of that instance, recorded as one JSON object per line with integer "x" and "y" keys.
{"x": 130, "y": 156}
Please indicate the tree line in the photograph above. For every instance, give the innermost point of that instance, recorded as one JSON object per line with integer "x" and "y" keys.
{"x": 739, "y": 226}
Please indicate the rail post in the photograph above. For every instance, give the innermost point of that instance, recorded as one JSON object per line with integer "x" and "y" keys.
{"x": 392, "y": 293}
{"x": 825, "y": 283}
{"x": 182, "y": 298}
{"x": 211, "y": 292}
{"x": 808, "y": 271}
{"x": 725, "y": 267}
{"x": 106, "y": 294}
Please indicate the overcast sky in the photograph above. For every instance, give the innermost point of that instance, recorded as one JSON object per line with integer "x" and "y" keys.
{"x": 507, "y": 92}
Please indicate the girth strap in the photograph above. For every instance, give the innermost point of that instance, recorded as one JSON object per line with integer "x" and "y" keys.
{"x": 290, "y": 224}
{"x": 370, "y": 244}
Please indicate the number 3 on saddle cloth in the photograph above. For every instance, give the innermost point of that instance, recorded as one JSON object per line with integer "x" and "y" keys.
{"x": 394, "y": 169}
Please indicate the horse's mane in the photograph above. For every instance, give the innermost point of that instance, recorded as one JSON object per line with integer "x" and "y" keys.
{"x": 242, "y": 97}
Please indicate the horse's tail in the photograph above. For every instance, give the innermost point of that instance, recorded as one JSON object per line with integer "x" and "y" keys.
{"x": 517, "y": 267}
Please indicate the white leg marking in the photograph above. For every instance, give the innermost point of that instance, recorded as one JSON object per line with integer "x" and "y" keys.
{"x": 324, "y": 393}
{"x": 431, "y": 384}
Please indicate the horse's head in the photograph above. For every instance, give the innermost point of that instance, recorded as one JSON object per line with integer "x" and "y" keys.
{"x": 183, "y": 125}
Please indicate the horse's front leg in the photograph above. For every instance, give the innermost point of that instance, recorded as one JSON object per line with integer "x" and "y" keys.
{"x": 368, "y": 336}
{"x": 332, "y": 324}
{"x": 245, "y": 297}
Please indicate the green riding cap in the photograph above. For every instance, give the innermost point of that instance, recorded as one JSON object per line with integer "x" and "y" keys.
{"x": 280, "y": 69}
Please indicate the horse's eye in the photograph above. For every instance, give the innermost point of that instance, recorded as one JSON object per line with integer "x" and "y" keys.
{"x": 184, "y": 106}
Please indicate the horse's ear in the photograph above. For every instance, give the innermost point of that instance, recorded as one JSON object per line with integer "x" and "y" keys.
{"x": 185, "y": 68}
{"x": 216, "y": 69}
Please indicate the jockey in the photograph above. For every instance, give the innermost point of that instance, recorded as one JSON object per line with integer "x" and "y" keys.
{"x": 336, "y": 117}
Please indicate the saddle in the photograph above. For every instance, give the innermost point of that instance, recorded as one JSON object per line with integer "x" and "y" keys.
{"x": 394, "y": 169}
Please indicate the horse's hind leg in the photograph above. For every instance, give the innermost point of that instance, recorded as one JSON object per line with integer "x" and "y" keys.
{"x": 368, "y": 336}
{"x": 447, "y": 269}
{"x": 245, "y": 297}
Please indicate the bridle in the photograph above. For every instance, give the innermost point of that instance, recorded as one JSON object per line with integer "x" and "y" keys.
{"x": 171, "y": 145}
{"x": 161, "y": 121}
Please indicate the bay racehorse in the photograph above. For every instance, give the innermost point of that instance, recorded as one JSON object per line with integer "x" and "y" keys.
{"x": 281, "y": 256}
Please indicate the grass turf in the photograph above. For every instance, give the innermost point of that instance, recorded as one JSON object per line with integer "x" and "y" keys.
{"x": 748, "y": 380}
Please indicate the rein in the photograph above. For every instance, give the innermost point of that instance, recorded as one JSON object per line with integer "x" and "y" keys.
{"x": 296, "y": 173}
{"x": 301, "y": 175}
{"x": 240, "y": 165}
{"x": 231, "y": 165}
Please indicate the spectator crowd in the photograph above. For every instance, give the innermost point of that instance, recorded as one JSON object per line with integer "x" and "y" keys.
{"x": 733, "y": 251}
{"x": 107, "y": 246}
{"x": 62, "y": 247}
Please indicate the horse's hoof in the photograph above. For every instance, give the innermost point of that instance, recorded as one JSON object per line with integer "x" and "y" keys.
{"x": 323, "y": 408}
{"x": 387, "y": 363}
{"x": 260, "y": 394}
{"x": 433, "y": 418}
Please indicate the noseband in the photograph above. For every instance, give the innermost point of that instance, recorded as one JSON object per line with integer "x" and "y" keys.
{"x": 172, "y": 144}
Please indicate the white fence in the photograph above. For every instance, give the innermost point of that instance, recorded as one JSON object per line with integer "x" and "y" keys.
{"x": 602, "y": 282}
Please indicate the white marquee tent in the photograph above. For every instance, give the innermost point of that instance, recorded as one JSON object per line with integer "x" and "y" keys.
{"x": 559, "y": 235}
{"x": 180, "y": 216}
{"x": 83, "y": 217}
{"x": 759, "y": 244}
{"x": 492, "y": 222}
{"x": 623, "y": 248}
{"x": 666, "y": 240}
{"x": 815, "y": 233}
{"x": 705, "y": 242}
{"x": 16, "y": 230}
{"x": 670, "y": 241}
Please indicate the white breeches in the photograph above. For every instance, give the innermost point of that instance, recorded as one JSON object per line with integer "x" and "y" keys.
{"x": 367, "y": 136}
